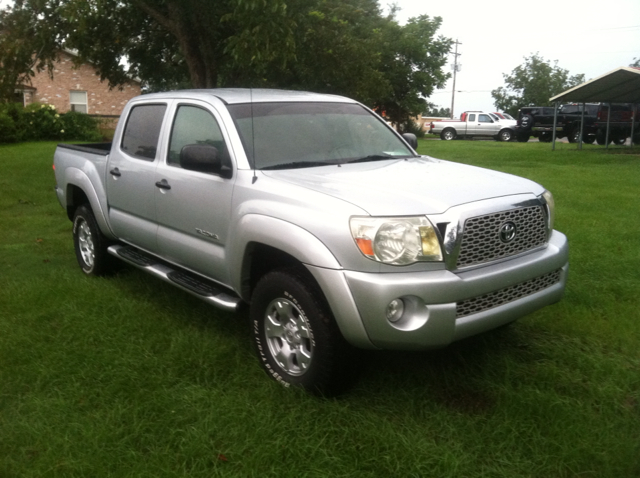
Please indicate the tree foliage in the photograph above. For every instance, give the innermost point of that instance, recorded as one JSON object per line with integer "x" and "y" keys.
{"x": 437, "y": 111}
{"x": 336, "y": 46}
{"x": 532, "y": 84}
{"x": 26, "y": 46}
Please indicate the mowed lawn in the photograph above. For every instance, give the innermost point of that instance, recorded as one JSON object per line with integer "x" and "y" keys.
{"x": 126, "y": 376}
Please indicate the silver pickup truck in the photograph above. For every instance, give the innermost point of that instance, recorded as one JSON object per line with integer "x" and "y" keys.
{"x": 475, "y": 124}
{"x": 323, "y": 219}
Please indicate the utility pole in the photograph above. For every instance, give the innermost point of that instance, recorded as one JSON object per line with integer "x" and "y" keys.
{"x": 456, "y": 68}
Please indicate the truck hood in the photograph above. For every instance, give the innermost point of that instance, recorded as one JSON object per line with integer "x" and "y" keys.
{"x": 415, "y": 186}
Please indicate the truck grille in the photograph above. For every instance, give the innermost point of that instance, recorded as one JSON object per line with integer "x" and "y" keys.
{"x": 484, "y": 240}
{"x": 506, "y": 295}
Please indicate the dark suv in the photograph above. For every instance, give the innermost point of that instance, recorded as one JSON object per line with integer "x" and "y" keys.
{"x": 537, "y": 121}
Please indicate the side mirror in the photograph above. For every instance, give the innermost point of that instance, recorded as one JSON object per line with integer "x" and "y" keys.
{"x": 411, "y": 139}
{"x": 201, "y": 157}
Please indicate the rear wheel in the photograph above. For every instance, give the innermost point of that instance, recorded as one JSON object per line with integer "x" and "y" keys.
{"x": 619, "y": 140}
{"x": 574, "y": 136}
{"x": 522, "y": 137}
{"x": 89, "y": 243}
{"x": 448, "y": 134}
{"x": 296, "y": 338}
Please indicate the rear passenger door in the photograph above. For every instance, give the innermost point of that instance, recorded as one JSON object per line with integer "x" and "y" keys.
{"x": 194, "y": 208}
{"x": 130, "y": 179}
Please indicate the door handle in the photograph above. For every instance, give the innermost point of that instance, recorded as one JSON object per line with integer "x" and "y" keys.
{"x": 163, "y": 184}
{"x": 115, "y": 172}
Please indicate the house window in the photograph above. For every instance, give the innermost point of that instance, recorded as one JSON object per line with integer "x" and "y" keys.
{"x": 78, "y": 100}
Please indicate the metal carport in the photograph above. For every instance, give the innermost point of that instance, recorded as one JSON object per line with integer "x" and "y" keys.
{"x": 621, "y": 85}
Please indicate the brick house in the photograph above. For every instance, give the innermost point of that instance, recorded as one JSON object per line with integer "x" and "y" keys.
{"x": 77, "y": 88}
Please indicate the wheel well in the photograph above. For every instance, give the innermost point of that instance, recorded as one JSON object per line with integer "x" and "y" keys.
{"x": 259, "y": 259}
{"x": 75, "y": 198}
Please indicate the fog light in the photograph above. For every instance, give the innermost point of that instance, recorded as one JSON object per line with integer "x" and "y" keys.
{"x": 395, "y": 309}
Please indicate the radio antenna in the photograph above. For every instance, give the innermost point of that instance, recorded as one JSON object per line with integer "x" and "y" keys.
{"x": 253, "y": 138}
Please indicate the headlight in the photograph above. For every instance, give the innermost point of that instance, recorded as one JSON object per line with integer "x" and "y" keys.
{"x": 551, "y": 208}
{"x": 396, "y": 240}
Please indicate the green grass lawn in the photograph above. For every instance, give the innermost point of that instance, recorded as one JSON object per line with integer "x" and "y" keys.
{"x": 127, "y": 376}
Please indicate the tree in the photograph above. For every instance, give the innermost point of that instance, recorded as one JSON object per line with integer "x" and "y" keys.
{"x": 337, "y": 46}
{"x": 532, "y": 84}
{"x": 413, "y": 63}
{"x": 25, "y": 47}
{"x": 437, "y": 111}
{"x": 636, "y": 63}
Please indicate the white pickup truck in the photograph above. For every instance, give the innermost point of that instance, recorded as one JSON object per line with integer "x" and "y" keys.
{"x": 314, "y": 212}
{"x": 475, "y": 124}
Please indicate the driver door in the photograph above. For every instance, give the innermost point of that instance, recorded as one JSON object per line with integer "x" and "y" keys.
{"x": 194, "y": 208}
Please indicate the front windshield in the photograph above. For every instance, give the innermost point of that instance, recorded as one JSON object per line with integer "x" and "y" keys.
{"x": 293, "y": 135}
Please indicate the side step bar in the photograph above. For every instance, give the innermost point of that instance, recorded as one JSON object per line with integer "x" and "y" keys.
{"x": 190, "y": 283}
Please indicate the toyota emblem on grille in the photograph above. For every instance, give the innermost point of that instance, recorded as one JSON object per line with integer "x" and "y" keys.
{"x": 507, "y": 232}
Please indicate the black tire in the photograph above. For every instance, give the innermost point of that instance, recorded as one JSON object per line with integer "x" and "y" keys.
{"x": 601, "y": 139}
{"x": 90, "y": 244}
{"x": 619, "y": 140}
{"x": 545, "y": 137}
{"x": 522, "y": 137}
{"x": 574, "y": 136}
{"x": 505, "y": 135}
{"x": 295, "y": 335}
{"x": 590, "y": 139}
{"x": 448, "y": 134}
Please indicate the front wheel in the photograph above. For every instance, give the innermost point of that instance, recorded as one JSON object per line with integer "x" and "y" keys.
{"x": 505, "y": 135}
{"x": 89, "y": 243}
{"x": 296, "y": 338}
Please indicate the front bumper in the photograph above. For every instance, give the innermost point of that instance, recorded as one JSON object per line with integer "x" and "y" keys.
{"x": 434, "y": 300}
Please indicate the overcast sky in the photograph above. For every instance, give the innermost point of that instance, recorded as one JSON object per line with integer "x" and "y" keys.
{"x": 585, "y": 36}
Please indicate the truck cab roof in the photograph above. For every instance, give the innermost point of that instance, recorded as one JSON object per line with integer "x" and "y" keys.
{"x": 249, "y": 95}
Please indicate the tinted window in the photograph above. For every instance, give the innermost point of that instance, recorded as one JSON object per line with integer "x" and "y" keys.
{"x": 194, "y": 125}
{"x": 472, "y": 117}
{"x": 484, "y": 119}
{"x": 140, "y": 138}
{"x": 287, "y": 135}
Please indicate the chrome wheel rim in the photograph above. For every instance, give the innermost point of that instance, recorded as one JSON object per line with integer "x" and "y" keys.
{"x": 85, "y": 244}
{"x": 288, "y": 337}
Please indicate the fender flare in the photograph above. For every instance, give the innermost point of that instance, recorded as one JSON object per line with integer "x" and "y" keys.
{"x": 75, "y": 177}
{"x": 279, "y": 234}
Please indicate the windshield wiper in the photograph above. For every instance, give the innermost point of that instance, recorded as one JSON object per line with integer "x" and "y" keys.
{"x": 300, "y": 164}
{"x": 374, "y": 157}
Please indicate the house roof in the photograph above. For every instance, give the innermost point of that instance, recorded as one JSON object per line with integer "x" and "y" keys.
{"x": 621, "y": 85}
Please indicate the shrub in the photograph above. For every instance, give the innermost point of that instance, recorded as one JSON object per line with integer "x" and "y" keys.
{"x": 39, "y": 122}
{"x": 80, "y": 126}
{"x": 412, "y": 127}
{"x": 43, "y": 122}
{"x": 11, "y": 123}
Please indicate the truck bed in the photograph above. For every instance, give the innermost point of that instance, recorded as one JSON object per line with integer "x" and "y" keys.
{"x": 94, "y": 148}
